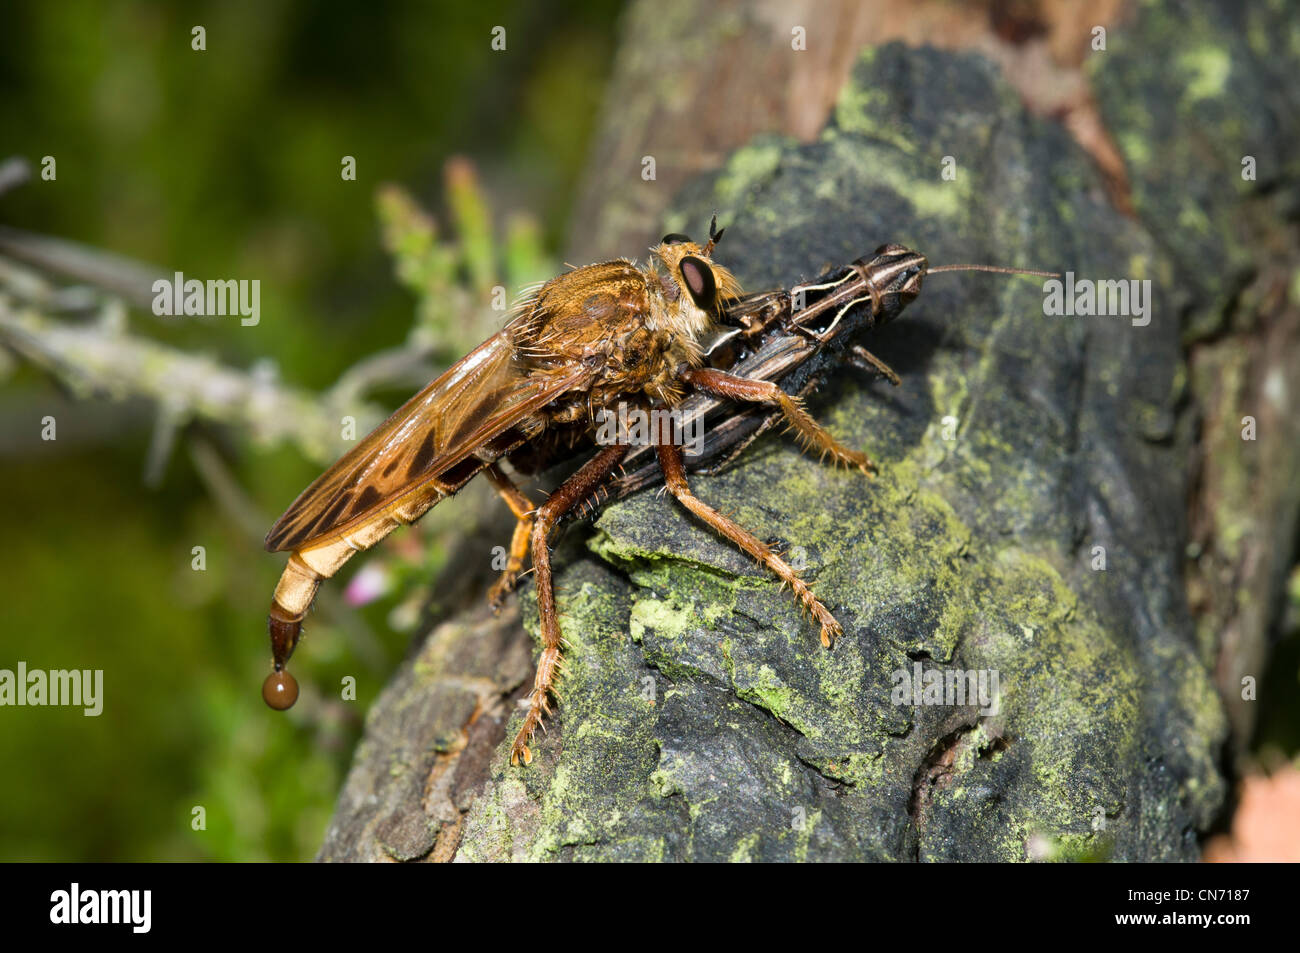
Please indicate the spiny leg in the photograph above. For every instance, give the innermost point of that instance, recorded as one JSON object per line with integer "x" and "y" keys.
{"x": 571, "y": 492}
{"x": 670, "y": 459}
{"x": 768, "y": 423}
{"x": 721, "y": 384}
{"x": 523, "y": 509}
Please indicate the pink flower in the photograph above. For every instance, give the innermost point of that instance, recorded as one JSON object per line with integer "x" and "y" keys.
{"x": 372, "y": 582}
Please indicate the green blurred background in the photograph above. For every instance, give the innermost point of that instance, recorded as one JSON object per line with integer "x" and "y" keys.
{"x": 225, "y": 163}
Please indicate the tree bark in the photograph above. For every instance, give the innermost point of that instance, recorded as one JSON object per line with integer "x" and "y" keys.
{"x": 1041, "y": 479}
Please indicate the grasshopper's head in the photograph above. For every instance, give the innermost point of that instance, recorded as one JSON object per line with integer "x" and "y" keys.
{"x": 695, "y": 286}
{"x": 895, "y": 273}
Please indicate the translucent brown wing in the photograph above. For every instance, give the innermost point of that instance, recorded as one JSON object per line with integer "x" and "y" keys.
{"x": 479, "y": 397}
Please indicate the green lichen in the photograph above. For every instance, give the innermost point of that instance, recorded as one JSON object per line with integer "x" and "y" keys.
{"x": 756, "y": 162}
{"x": 1208, "y": 67}
{"x": 755, "y": 742}
{"x": 743, "y": 854}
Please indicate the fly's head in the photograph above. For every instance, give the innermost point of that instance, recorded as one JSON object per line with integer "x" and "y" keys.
{"x": 693, "y": 288}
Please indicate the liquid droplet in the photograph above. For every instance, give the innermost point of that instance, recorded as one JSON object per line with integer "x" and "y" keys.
{"x": 280, "y": 690}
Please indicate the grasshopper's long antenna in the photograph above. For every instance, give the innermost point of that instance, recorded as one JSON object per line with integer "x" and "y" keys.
{"x": 995, "y": 269}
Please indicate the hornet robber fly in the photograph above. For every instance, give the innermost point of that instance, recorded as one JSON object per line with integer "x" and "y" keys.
{"x": 577, "y": 346}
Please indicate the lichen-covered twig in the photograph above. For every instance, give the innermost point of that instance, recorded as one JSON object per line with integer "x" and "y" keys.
{"x": 452, "y": 280}
{"x": 130, "y": 280}
{"x": 98, "y": 359}
{"x": 14, "y": 171}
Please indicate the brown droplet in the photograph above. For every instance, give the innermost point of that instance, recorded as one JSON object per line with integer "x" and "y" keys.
{"x": 280, "y": 690}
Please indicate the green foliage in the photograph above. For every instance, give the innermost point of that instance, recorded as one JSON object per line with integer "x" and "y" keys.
{"x": 226, "y": 163}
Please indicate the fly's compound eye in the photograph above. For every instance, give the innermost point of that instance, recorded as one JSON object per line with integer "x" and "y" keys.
{"x": 701, "y": 284}
{"x": 676, "y": 238}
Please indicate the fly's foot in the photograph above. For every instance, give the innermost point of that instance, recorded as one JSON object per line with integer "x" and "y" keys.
{"x": 519, "y": 751}
{"x": 831, "y": 630}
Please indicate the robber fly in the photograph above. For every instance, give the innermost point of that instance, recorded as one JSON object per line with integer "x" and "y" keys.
{"x": 579, "y": 345}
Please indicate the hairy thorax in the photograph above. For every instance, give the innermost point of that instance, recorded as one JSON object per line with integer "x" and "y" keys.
{"x": 633, "y": 328}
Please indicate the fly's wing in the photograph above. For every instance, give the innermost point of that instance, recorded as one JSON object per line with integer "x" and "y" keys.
{"x": 478, "y": 398}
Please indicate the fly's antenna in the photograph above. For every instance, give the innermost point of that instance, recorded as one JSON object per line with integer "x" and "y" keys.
{"x": 994, "y": 269}
{"x": 715, "y": 235}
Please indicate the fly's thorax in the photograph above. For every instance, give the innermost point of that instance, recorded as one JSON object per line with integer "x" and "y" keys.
{"x": 645, "y": 360}
{"x": 581, "y": 316}
{"x": 633, "y": 327}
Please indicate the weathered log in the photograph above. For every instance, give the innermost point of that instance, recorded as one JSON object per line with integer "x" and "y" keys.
{"x": 1024, "y": 452}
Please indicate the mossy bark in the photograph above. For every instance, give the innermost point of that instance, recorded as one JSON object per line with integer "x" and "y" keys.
{"x": 1209, "y": 142}
{"x": 1029, "y": 520}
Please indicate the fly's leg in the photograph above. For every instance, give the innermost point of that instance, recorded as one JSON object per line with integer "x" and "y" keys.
{"x": 670, "y": 459}
{"x": 768, "y": 423}
{"x": 523, "y": 510}
{"x": 571, "y": 492}
{"x": 721, "y": 384}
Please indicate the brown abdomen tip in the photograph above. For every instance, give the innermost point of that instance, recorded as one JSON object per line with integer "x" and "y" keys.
{"x": 280, "y": 690}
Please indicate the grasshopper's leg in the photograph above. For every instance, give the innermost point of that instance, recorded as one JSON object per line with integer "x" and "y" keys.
{"x": 721, "y": 384}
{"x": 571, "y": 492}
{"x": 523, "y": 510}
{"x": 670, "y": 459}
{"x": 859, "y": 356}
